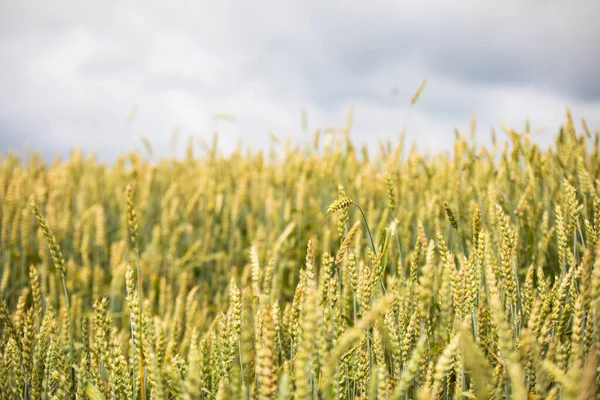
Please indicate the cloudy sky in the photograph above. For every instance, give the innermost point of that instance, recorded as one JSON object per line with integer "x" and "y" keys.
{"x": 71, "y": 71}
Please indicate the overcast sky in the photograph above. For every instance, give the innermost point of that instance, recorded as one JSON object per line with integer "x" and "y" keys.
{"x": 71, "y": 71}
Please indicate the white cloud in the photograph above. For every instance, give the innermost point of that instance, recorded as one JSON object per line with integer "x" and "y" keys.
{"x": 71, "y": 71}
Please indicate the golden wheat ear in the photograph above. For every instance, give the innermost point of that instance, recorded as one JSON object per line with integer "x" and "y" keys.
{"x": 338, "y": 205}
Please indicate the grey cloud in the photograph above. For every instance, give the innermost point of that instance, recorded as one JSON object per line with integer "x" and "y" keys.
{"x": 536, "y": 43}
{"x": 70, "y": 73}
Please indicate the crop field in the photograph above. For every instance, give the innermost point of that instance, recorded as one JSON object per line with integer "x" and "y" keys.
{"x": 315, "y": 272}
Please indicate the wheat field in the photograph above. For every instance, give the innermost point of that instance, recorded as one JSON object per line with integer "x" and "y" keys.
{"x": 318, "y": 272}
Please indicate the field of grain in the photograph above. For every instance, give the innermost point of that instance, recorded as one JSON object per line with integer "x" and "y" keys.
{"x": 310, "y": 273}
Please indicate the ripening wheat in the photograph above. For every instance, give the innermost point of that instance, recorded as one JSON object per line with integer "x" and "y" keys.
{"x": 320, "y": 273}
